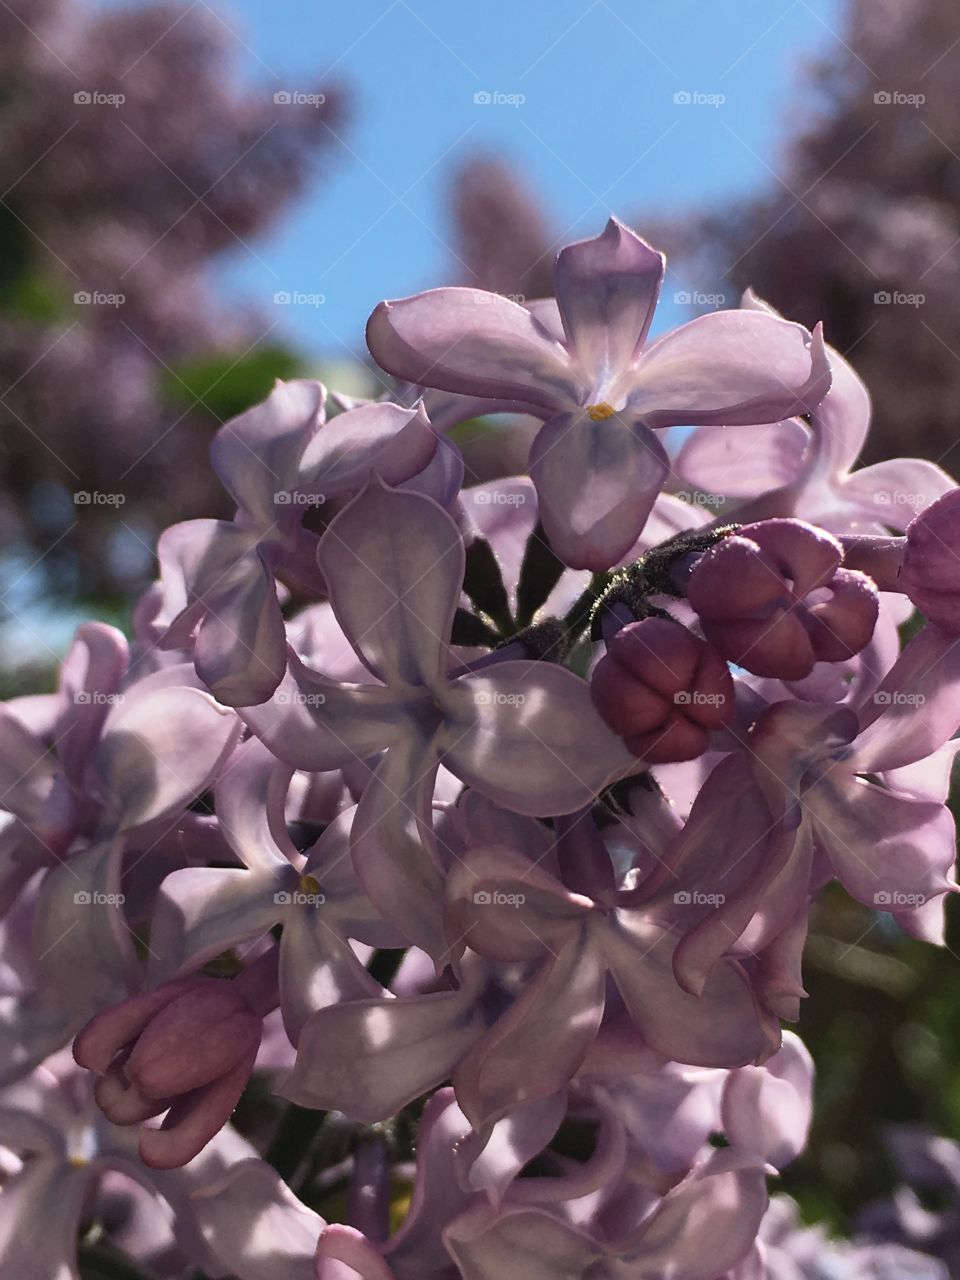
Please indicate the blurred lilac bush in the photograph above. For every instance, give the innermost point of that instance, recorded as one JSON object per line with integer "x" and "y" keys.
{"x": 130, "y": 157}
{"x": 444, "y": 925}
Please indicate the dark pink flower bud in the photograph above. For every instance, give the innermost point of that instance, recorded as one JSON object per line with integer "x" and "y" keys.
{"x": 186, "y": 1049}
{"x": 931, "y": 564}
{"x": 662, "y": 689}
{"x": 774, "y": 599}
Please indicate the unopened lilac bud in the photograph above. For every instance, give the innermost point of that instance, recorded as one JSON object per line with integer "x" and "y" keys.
{"x": 774, "y": 599}
{"x": 186, "y": 1049}
{"x": 931, "y": 564}
{"x": 662, "y": 689}
{"x": 199, "y": 1036}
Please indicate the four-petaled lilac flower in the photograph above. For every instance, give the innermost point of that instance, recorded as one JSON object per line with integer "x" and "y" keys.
{"x": 597, "y": 463}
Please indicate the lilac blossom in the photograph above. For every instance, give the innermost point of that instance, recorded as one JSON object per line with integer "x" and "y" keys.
{"x": 597, "y": 463}
{"x": 417, "y": 852}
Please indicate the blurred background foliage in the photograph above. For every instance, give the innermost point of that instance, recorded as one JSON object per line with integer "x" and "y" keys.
{"x": 125, "y": 398}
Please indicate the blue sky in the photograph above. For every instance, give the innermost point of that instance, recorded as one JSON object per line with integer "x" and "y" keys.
{"x": 598, "y": 130}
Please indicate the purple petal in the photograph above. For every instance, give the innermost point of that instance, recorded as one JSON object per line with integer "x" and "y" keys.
{"x": 40, "y": 1212}
{"x": 472, "y": 342}
{"x": 491, "y": 1245}
{"x": 887, "y": 849}
{"x": 743, "y": 463}
{"x": 255, "y": 1226}
{"x": 379, "y": 439}
{"x": 534, "y": 1049}
{"x": 394, "y": 848}
{"x": 896, "y": 490}
{"x": 394, "y": 562}
{"x": 417, "y": 1248}
{"x": 607, "y": 290}
{"x": 596, "y": 483}
{"x": 317, "y": 724}
{"x": 526, "y": 735}
{"x": 767, "y": 1110}
{"x": 729, "y": 368}
{"x": 344, "y": 1253}
{"x": 258, "y": 453}
{"x": 369, "y": 1058}
{"x": 720, "y": 1028}
{"x": 704, "y": 1226}
{"x": 161, "y": 748}
{"x": 203, "y": 911}
{"x": 250, "y": 797}
{"x": 916, "y": 707}
{"x": 95, "y": 665}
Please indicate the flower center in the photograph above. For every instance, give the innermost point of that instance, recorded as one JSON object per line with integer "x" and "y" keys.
{"x": 601, "y": 411}
{"x": 309, "y": 884}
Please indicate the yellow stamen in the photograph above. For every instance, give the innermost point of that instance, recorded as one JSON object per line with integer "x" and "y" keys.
{"x": 309, "y": 884}
{"x": 79, "y": 1162}
{"x": 599, "y": 412}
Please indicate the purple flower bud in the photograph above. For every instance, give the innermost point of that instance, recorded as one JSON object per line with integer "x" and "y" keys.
{"x": 774, "y": 599}
{"x": 662, "y": 689}
{"x": 187, "y": 1049}
{"x": 931, "y": 562}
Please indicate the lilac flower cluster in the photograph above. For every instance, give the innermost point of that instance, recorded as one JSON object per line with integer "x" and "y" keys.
{"x": 510, "y": 832}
